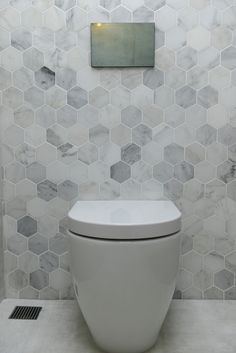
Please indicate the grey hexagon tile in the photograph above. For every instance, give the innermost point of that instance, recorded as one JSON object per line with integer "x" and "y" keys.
{"x": 141, "y": 172}
{"x": 143, "y": 14}
{"x": 194, "y": 153}
{"x": 152, "y": 116}
{"x": 28, "y": 262}
{"x": 163, "y": 172}
{"x": 173, "y": 153}
{"x": 24, "y": 116}
{"x": 163, "y": 135}
{"x": 78, "y": 173}
{"x": 185, "y": 97}
{"x": 65, "y": 40}
{"x": 131, "y": 116}
{"x": 11, "y": 59}
{"x": 47, "y": 190}
{"x": 39, "y": 279}
{"x": 77, "y": 97}
{"x": 173, "y": 189}
{"x": 141, "y": 135}
{"x": 33, "y": 59}
{"x": 153, "y": 78}
{"x": 27, "y": 226}
{"x": 215, "y": 190}
{"x": 17, "y": 244}
{"x": 99, "y": 97}
{"x": 120, "y": 97}
{"x": 65, "y": 5}
{"x": 130, "y": 153}
{"x": 193, "y": 190}
{"x": 88, "y": 116}
{"x": 46, "y": 154}
{"x": 56, "y": 97}
{"x": 207, "y": 97}
{"x": 227, "y": 135}
{"x": 221, "y": 37}
{"x": 131, "y": 78}
{"x": 187, "y": 58}
{"x": 59, "y": 244}
{"x": 18, "y": 279}
{"x": 216, "y": 153}
{"x": 230, "y": 294}
{"x": 209, "y": 58}
{"x": 164, "y": 97}
{"x": 66, "y": 116}
{"x": 184, "y": 172}
{"x": 206, "y": 135}
{"x": 120, "y": 172}
{"x": 67, "y": 190}
{"x": 120, "y": 14}
{"x": 109, "y": 5}
{"x": 12, "y": 97}
{"x": 152, "y": 153}
{"x": 48, "y": 261}
{"x": 21, "y": 39}
{"x": 36, "y": 172}
{"x": 205, "y": 171}
{"x": 76, "y": 19}
{"x": 88, "y": 153}
{"x": 44, "y": 78}
{"x": 34, "y": 97}
{"x": 99, "y": 135}
{"x": 67, "y": 153}
{"x": 226, "y": 171}
{"x": 15, "y": 172}
{"x": 38, "y": 244}
{"x": 174, "y": 116}
{"x": 45, "y": 116}
{"x": 197, "y": 77}
{"x": 66, "y": 78}
{"x": 224, "y": 279}
{"x": 227, "y": 58}
{"x": 25, "y": 154}
{"x": 23, "y": 78}
{"x": 196, "y": 115}
{"x": 56, "y": 135}
{"x": 110, "y": 190}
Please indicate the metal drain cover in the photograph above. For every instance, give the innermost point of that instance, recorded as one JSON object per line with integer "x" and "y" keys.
{"x": 25, "y": 313}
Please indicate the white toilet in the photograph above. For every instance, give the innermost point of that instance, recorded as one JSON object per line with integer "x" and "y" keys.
{"x": 124, "y": 263}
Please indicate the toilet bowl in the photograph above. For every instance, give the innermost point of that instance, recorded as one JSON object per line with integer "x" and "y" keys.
{"x": 124, "y": 262}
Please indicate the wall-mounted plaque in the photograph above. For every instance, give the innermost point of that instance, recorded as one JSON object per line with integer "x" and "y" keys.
{"x": 122, "y": 44}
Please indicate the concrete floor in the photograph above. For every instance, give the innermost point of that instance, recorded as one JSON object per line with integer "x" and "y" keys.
{"x": 190, "y": 327}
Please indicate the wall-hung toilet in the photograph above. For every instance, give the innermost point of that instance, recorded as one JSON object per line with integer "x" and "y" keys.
{"x": 124, "y": 263}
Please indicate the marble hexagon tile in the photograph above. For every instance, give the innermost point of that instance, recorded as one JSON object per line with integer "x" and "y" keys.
{"x": 70, "y": 132}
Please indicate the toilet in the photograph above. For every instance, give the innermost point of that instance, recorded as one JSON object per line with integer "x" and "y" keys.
{"x": 124, "y": 262}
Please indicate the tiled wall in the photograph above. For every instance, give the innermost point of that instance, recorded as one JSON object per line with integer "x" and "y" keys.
{"x": 2, "y": 291}
{"x": 71, "y": 132}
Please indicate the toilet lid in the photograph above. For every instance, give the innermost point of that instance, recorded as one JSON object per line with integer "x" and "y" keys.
{"x": 124, "y": 220}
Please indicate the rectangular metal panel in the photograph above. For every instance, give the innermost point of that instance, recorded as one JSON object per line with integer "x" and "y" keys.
{"x": 122, "y": 44}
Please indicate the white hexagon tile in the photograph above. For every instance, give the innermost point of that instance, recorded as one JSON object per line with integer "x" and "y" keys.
{"x": 71, "y": 132}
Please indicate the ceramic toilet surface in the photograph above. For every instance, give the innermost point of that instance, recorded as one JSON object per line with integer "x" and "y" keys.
{"x": 124, "y": 219}
{"x": 124, "y": 262}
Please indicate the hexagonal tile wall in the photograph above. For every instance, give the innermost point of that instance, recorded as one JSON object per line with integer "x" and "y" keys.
{"x": 72, "y": 132}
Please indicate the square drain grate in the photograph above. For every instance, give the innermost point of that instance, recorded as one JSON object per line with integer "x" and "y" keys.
{"x": 25, "y": 313}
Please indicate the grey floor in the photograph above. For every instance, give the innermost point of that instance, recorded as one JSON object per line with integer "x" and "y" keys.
{"x": 190, "y": 327}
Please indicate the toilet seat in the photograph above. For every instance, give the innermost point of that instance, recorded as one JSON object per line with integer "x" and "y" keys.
{"x": 124, "y": 220}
